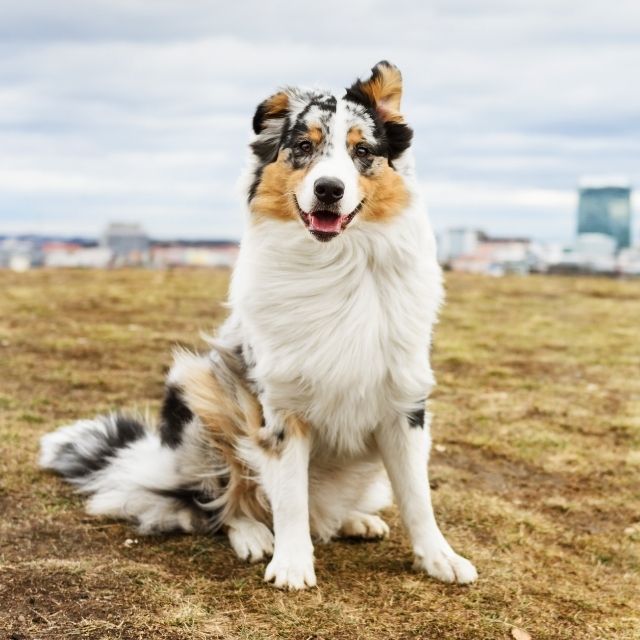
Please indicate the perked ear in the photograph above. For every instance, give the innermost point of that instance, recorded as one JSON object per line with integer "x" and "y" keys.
{"x": 273, "y": 108}
{"x": 382, "y": 91}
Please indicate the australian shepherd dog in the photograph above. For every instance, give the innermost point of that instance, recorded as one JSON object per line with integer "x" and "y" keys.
{"x": 310, "y": 406}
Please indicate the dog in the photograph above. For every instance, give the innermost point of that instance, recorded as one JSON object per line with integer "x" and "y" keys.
{"x": 311, "y": 404}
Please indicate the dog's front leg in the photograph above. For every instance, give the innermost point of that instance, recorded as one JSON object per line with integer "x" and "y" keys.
{"x": 404, "y": 445}
{"x": 285, "y": 477}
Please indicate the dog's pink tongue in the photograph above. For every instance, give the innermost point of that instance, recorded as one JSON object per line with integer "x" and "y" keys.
{"x": 326, "y": 222}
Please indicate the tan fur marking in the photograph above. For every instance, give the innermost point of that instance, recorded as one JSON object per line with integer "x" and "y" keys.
{"x": 354, "y": 136}
{"x": 227, "y": 417}
{"x": 272, "y": 442}
{"x": 386, "y": 91}
{"x": 315, "y": 134}
{"x": 386, "y": 194}
{"x": 274, "y": 195}
{"x": 277, "y": 103}
{"x": 296, "y": 426}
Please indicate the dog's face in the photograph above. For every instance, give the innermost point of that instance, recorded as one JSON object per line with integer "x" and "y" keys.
{"x": 328, "y": 161}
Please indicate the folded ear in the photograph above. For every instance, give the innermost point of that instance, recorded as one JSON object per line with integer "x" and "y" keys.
{"x": 268, "y": 124}
{"x": 382, "y": 91}
{"x": 273, "y": 108}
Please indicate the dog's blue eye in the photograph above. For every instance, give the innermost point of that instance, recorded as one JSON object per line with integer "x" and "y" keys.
{"x": 362, "y": 151}
{"x": 304, "y": 146}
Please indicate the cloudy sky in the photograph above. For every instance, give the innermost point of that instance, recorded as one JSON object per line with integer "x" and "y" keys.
{"x": 139, "y": 110}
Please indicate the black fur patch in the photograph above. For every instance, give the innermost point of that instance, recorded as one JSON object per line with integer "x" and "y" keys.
{"x": 259, "y": 117}
{"x": 207, "y": 519}
{"x": 265, "y": 150}
{"x": 416, "y": 419}
{"x": 74, "y": 462}
{"x": 399, "y": 138}
{"x": 174, "y": 416}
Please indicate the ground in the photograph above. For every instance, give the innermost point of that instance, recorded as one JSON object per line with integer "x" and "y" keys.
{"x": 535, "y": 472}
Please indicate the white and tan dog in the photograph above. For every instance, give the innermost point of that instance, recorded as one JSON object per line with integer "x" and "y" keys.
{"x": 313, "y": 394}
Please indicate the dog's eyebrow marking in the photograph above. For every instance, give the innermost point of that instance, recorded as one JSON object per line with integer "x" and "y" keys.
{"x": 315, "y": 133}
{"x": 354, "y": 135}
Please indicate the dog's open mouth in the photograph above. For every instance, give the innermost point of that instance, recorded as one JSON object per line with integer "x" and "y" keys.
{"x": 325, "y": 225}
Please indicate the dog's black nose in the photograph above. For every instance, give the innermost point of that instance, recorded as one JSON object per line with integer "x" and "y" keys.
{"x": 328, "y": 190}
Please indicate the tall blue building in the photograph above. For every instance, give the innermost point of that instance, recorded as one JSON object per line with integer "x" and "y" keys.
{"x": 605, "y": 207}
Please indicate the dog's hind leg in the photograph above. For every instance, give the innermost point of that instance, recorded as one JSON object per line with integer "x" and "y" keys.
{"x": 250, "y": 539}
{"x": 345, "y": 497}
{"x": 364, "y": 525}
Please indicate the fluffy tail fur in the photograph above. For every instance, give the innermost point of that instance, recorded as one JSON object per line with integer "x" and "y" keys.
{"x": 122, "y": 464}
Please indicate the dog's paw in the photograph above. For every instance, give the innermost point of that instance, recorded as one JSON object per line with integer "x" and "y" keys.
{"x": 364, "y": 525}
{"x": 250, "y": 539}
{"x": 445, "y": 564}
{"x": 289, "y": 572}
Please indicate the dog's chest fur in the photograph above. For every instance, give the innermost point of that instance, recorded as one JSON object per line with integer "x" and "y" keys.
{"x": 339, "y": 333}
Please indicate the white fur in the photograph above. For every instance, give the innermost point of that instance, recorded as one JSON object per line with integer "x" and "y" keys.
{"x": 405, "y": 451}
{"x": 285, "y": 479}
{"x": 340, "y": 334}
{"x": 335, "y": 164}
{"x": 250, "y": 539}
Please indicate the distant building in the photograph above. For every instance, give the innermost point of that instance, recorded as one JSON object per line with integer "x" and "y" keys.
{"x": 605, "y": 208}
{"x": 73, "y": 254}
{"x": 591, "y": 253}
{"x": 465, "y": 249}
{"x": 496, "y": 256}
{"x": 19, "y": 255}
{"x": 629, "y": 261}
{"x": 129, "y": 244}
{"x": 194, "y": 254}
{"x": 456, "y": 242}
{"x": 596, "y": 245}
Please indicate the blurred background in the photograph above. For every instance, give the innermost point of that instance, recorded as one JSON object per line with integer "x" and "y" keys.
{"x": 124, "y": 123}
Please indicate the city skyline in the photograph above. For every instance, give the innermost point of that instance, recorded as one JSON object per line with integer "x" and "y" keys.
{"x": 141, "y": 112}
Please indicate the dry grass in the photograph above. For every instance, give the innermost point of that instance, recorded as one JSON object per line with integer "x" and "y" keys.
{"x": 535, "y": 472}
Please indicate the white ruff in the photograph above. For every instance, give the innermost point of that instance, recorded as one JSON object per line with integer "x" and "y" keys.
{"x": 340, "y": 331}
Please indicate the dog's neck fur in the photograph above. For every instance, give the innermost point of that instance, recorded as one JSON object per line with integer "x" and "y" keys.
{"x": 337, "y": 330}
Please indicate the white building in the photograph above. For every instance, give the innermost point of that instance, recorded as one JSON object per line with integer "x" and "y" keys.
{"x": 629, "y": 261}
{"x": 453, "y": 243}
{"x": 81, "y": 257}
{"x": 465, "y": 249}
{"x": 19, "y": 255}
{"x": 169, "y": 254}
{"x": 591, "y": 252}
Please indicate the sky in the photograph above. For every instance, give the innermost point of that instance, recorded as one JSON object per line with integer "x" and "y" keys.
{"x": 140, "y": 110}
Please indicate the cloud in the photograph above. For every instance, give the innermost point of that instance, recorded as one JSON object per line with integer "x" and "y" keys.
{"x": 126, "y": 108}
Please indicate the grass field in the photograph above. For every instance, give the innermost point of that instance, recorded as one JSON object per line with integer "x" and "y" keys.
{"x": 536, "y": 472}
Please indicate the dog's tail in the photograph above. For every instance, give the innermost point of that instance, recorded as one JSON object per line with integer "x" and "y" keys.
{"x": 129, "y": 473}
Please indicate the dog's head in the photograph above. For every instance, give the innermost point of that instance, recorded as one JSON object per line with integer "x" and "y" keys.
{"x": 327, "y": 161}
